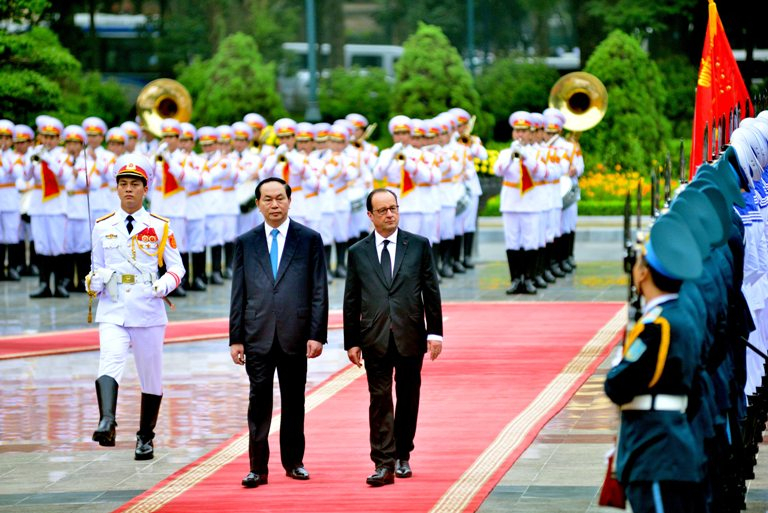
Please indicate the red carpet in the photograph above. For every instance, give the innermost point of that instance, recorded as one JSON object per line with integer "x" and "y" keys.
{"x": 506, "y": 369}
{"x": 73, "y": 341}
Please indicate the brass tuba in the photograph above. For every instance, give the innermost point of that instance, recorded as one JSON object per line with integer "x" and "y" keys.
{"x": 161, "y": 99}
{"x": 582, "y": 98}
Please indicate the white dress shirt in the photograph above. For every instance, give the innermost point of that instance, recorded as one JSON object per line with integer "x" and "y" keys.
{"x": 283, "y": 229}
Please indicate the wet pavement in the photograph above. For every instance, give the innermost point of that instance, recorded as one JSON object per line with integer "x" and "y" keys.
{"x": 48, "y": 409}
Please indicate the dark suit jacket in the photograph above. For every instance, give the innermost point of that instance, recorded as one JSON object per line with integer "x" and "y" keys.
{"x": 371, "y": 309}
{"x": 295, "y": 305}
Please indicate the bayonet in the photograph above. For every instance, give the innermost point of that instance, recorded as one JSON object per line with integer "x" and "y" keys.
{"x": 683, "y": 177}
{"x": 668, "y": 181}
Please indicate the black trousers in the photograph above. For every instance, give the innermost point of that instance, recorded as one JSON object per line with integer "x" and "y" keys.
{"x": 392, "y": 430}
{"x": 666, "y": 496}
{"x": 292, "y": 375}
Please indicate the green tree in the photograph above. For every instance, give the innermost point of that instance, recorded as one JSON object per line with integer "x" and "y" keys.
{"x": 431, "y": 78}
{"x": 233, "y": 82}
{"x": 680, "y": 83}
{"x": 508, "y": 85}
{"x": 634, "y": 129}
{"x": 366, "y": 92}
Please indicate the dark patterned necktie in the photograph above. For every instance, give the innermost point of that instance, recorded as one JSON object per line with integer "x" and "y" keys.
{"x": 386, "y": 263}
{"x": 129, "y": 219}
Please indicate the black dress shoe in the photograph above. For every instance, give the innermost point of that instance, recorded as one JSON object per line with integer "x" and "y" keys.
{"x": 43, "y": 291}
{"x": 299, "y": 473}
{"x": 382, "y": 476}
{"x": 216, "y": 279}
{"x": 403, "y": 469}
{"x": 13, "y": 275}
{"x": 528, "y": 287}
{"x": 252, "y": 480}
{"x": 198, "y": 285}
{"x": 145, "y": 449}
{"x": 515, "y": 287}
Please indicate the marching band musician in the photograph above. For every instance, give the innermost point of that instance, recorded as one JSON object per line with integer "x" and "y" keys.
{"x": 196, "y": 208}
{"x": 432, "y": 157}
{"x": 23, "y": 140}
{"x": 305, "y": 145}
{"x": 48, "y": 206}
{"x": 327, "y": 197}
{"x": 116, "y": 144}
{"x": 226, "y": 207}
{"x": 169, "y": 196}
{"x": 258, "y": 146}
{"x": 450, "y": 170}
{"x": 467, "y": 222}
{"x": 80, "y": 184}
{"x": 519, "y": 168}
{"x": 363, "y": 155}
{"x": 341, "y": 171}
{"x": 130, "y": 245}
{"x": 248, "y": 165}
{"x": 98, "y": 162}
{"x": 574, "y": 167}
{"x": 133, "y": 131}
{"x": 557, "y": 166}
{"x": 541, "y": 200}
{"x": 11, "y": 169}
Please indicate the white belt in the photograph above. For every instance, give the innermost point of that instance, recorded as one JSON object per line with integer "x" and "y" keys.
{"x": 660, "y": 402}
{"x": 128, "y": 279}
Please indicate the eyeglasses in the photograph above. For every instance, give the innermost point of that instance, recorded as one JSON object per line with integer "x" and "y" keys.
{"x": 383, "y": 211}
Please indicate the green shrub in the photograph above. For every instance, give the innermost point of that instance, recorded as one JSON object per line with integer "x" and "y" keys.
{"x": 634, "y": 129}
{"x": 431, "y": 78}
{"x": 601, "y": 208}
{"x": 492, "y": 207}
{"x": 507, "y": 86}
{"x": 366, "y": 92}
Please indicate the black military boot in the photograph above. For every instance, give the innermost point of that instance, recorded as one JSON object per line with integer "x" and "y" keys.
{"x": 150, "y": 407}
{"x": 3, "y": 275}
{"x": 16, "y": 257}
{"x": 469, "y": 240}
{"x": 44, "y": 290}
{"x": 562, "y": 253}
{"x": 516, "y": 276}
{"x": 536, "y": 277}
{"x": 551, "y": 255}
{"x": 33, "y": 269}
{"x": 542, "y": 264}
{"x": 341, "y": 253}
{"x": 327, "y": 250}
{"x": 529, "y": 264}
{"x": 571, "y": 243}
{"x": 216, "y": 277}
{"x": 64, "y": 275}
{"x": 197, "y": 283}
{"x": 229, "y": 256}
{"x": 106, "y": 393}
{"x": 446, "y": 266}
{"x": 458, "y": 243}
{"x": 83, "y": 267}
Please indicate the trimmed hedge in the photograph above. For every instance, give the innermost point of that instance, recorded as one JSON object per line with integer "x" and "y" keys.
{"x": 586, "y": 208}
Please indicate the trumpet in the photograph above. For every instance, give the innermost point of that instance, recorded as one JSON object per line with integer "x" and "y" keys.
{"x": 37, "y": 157}
{"x": 466, "y": 137}
{"x": 159, "y": 158}
{"x": 358, "y": 143}
{"x": 256, "y": 144}
{"x": 400, "y": 156}
{"x": 282, "y": 158}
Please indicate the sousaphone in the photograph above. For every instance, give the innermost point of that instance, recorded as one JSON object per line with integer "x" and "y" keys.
{"x": 583, "y": 99}
{"x": 161, "y": 99}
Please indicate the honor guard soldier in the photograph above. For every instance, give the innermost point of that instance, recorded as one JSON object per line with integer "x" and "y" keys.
{"x": 116, "y": 143}
{"x": 23, "y": 139}
{"x": 129, "y": 247}
{"x": 248, "y": 164}
{"x": 259, "y": 145}
{"x": 147, "y": 144}
{"x": 360, "y": 124}
{"x": 98, "y": 162}
{"x": 320, "y": 157}
{"x": 133, "y": 131}
{"x": 80, "y": 184}
{"x": 431, "y": 154}
{"x": 305, "y": 145}
{"x": 341, "y": 171}
{"x": 363, "y": 154}
{"x": 215, "y": 166}
{"x": 48, "y": 207}
{"x": 657, "y": 458}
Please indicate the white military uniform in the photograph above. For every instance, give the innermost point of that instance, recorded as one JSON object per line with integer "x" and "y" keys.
{"x": 129, "y": 314}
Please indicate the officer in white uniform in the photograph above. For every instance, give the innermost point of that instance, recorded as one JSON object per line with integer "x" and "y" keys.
{"x": 11, "y": 170}
{"x": 196, "y": 208}
{"x": 133, "y": 131}
{"x": 129, "y": 246}
{"x": 98, "y": 162}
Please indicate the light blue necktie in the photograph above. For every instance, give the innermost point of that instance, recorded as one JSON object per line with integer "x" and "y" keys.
{"x": 273, "y": 252}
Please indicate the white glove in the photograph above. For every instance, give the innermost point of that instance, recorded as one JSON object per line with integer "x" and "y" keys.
{"x": 281, "y": 149}
{"x": 396, "y": 148}
{"x": 94, "y": 283}
{"x": 160, "y": 288}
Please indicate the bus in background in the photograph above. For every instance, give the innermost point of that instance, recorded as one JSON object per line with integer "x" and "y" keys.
{"x": 293, "y": 73}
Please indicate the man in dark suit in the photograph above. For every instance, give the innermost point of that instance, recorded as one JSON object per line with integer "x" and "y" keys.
{"x": 391, "y": 287}
{"x": 278, "y": 319}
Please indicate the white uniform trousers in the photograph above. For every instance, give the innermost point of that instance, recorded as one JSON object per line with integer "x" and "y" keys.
{"x": 342, "y": 225}
{"x": 214, "y": 226}
{"x": 78, "y": 236}
{"x": 116, "y": 342}
{"x": 447, "y": 221}
{"x": 458, "y": 223}
{"x": 553, "y": 224}
{"x": 249, "y": 221}
{"x": 470, "y": 221}
{"x": 195, "y": 235}
{"x": 327, "y": 228}
{"x": 10, "y": 229}
{"x": 522, "y": 230}
{"x": 412, "y": 222}
{"x": 179, "y": 232}
{"x": 229, "y": 227}
{"x": 568, "y": 219}
{"x": 431, "y": 226}
{"x": 542, "y": 228}
{"x": 48, "y": 232}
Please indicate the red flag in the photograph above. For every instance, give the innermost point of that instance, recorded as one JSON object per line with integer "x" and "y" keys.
{"x": 721, "y": 94}
{"x": 286, "y": 172}
{"x": 406, "y": 182}
{"x": 49, "y": 184}
{"x": 526, "y": 180}
{"x": 170, "y": 184}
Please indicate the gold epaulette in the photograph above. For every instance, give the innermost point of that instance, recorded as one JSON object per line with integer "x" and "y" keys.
{"x": 105, "y": 217}
{"x": 165, "y": 219}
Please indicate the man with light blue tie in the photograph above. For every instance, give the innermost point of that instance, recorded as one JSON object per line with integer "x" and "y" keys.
{"x": 278, "y": 319}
